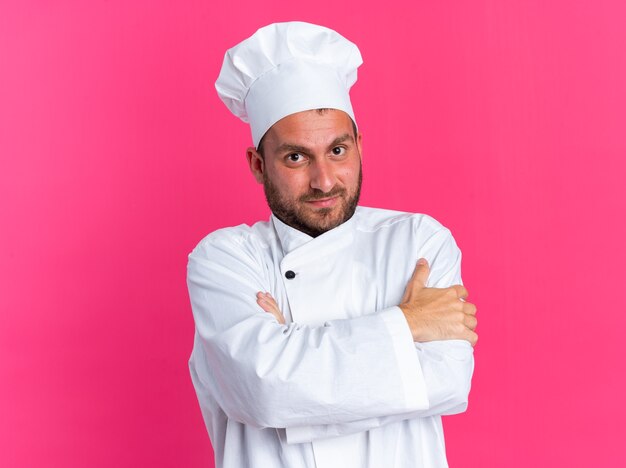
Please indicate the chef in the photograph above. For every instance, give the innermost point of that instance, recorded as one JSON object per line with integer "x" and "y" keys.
{"x": 331, "y": 335}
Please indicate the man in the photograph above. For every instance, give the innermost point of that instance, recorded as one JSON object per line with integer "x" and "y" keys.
{"x": 318, "y": 342}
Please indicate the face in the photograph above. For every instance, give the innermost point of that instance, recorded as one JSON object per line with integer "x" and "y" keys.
{"x": 310, "y": 169}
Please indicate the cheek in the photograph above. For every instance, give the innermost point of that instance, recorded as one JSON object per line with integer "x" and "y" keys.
{"x": 289, "y": 185}
{"x": 349, "y": 175}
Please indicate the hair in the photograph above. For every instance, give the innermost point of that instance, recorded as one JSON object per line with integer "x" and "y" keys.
{"x": 321, "y": 111}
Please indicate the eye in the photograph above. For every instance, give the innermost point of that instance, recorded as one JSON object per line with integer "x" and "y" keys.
{"x": 338, "y": 150}
{"x": 295, "y": 157}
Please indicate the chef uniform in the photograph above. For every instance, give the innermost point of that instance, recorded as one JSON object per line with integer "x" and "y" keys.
{"x": 341, "y": 384}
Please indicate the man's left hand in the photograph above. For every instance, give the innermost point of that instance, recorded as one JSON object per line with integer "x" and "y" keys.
{"x": 269, "y": 305}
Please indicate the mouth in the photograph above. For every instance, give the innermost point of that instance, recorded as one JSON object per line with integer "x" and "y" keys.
{"x": 324, "y": 202}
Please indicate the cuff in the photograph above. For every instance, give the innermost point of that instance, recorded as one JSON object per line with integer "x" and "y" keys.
{"x": 408, "y": 364}
{"x": 298, "y": 435}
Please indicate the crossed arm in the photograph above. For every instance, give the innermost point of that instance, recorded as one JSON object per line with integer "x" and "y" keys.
{"x": 431, "y": 313}
{"x": 336, "y": 379}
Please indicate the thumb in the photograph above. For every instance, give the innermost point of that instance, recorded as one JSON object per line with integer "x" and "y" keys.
{"x": 418, "y": 280}
{"x": 420, "y": 275}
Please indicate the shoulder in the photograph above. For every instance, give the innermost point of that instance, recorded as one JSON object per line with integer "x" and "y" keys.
{"x": 405, "y": 237}
{"x": 234, "y": 240}
{"x": 377, "y": 219}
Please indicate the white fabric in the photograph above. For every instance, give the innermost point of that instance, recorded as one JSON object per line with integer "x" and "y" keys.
{"x": 286, "y": 68}
{"x": 341, "y": 384}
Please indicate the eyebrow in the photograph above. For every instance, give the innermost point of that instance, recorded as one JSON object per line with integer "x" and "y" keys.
{"x": 341, "y": 139}
{"x": 303, "y": 149}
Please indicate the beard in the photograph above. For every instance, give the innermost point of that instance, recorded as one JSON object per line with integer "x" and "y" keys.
{"x": 314, "y": 222}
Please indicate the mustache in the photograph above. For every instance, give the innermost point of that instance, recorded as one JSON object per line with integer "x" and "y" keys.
{"x": 319, "y": 195}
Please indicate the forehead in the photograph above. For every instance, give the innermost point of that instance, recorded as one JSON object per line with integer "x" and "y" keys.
{"x": 309, "y": 128}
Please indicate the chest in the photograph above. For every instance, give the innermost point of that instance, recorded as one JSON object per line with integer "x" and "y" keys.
{"x": 351, "y": 280}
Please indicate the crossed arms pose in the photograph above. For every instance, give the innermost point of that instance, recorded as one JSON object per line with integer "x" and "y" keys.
{"x": 266, "y": 361}
{"x": 432, "y": 313}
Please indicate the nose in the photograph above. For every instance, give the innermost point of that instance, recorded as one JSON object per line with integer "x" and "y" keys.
{"x": 322, "y": 175}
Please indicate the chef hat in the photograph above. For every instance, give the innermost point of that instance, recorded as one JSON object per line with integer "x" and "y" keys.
{"x": 286, "y": 68}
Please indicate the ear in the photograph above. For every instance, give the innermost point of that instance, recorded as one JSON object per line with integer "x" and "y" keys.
{"x": 256, "y": 163}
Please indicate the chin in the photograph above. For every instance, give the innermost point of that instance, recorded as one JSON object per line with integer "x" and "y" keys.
{"x": 325, "y": 220}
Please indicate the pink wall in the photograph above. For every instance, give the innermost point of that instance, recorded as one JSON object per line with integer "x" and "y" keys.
{"x": 506, "y": 120}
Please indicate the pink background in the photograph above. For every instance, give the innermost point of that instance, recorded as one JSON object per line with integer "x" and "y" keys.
{"x": 506, "y": 120}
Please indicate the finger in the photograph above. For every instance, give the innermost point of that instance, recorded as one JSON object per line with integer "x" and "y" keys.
{"x": 267, "y": 302}
{"x": 266, "y": 297}
{"x": 470, "y": 322}
{"x": 469, "y": 335}
{"x": 417, "y": 281}
{"x": 469, "y": 308}
{"x": 262, "y": 302}
{"x": 420, "y": 274}
{"x": 461, "y": 292}
{"x": 270, "y": 300}
{"x": 268, "y": 306}
{"x": 272, "y": 311}
{"x": 260, "y": 299}
{"x": 472, "y": 337}
{"x": 279, "y": 318}
{"x": 263, "y": 294}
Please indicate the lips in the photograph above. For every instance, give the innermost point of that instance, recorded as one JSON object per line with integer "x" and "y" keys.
{"x": 317, "y": 195}
{"x": 324, "y": 202}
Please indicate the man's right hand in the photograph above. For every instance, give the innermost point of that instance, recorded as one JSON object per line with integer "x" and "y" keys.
{"x": 437, "y": 313}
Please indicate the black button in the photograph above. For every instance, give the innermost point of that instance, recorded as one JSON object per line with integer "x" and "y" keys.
{"x": 290, "y": 274}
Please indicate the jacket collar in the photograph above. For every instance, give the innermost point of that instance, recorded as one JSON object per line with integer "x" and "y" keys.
{"x": 291, "y": 239}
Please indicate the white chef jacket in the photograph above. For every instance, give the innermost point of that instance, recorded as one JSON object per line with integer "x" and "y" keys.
{"x": 341, "y": 384}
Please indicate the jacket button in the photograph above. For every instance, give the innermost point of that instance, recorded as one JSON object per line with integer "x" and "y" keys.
{"x": 290, "y": 274}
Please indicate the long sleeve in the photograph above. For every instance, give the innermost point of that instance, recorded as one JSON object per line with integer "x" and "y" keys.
{"x": 267, "y": 375}
{"x": 447, "y": 366}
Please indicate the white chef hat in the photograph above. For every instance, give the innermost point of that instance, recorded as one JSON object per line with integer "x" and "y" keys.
{"x": 286, "y": 68}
